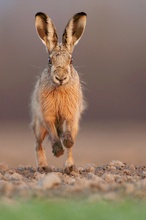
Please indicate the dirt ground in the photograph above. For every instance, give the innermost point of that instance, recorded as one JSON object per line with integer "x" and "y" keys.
{"x": 110, "y": 164}
{"x": 113, "y": 181}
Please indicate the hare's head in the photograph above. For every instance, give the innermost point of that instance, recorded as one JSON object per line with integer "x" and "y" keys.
{"x": 60, "y": 55}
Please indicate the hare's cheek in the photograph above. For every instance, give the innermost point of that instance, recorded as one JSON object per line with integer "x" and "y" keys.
{"x": 52, "y": 69}
{"x": 69, "y": 70}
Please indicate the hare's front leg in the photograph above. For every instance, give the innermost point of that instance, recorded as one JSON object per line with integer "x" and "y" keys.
{"x": 57, "y": 147}
{"x": 40, "y": 132}
{"x": 70, "y": 133}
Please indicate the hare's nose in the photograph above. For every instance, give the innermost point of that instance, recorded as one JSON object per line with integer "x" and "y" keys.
{"x": 60, "y": 79}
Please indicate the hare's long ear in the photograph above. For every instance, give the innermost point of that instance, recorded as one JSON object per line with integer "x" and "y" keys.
{"x": 46, "y": 30}
{"x": 74, "y": 30}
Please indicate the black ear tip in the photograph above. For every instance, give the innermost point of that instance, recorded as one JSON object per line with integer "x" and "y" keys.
{"x": 41, "y": 14}
{"x": 82, "y": 14}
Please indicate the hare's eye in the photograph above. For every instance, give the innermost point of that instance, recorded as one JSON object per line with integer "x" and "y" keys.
{"x": 49, "y": 61}
{"x": 71, "y": 61}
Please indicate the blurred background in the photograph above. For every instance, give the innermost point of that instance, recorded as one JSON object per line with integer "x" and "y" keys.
{"x": 110, "y": 59}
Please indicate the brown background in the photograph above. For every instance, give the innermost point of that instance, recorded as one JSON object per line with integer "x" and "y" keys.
{"x": 111, "y": 60}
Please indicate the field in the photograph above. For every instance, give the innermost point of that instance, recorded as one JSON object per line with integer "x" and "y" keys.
{"x": 109, "y": 181}
{"x": 41, "y": 210}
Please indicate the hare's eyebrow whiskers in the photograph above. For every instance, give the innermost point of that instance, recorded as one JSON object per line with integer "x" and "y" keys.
{"x": 37, "y": 67}
{"x": 79, "y": 66}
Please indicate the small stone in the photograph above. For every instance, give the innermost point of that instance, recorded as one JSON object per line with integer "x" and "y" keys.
{"x": 108, "y": 177}
{"x": 68, "y": 179}
{"x": 14, "y": 176}
{"x": 116, "y": 163}
{"x": 21, "y": 168}
{"x": 49, "y": 181}
{"x": 61, "y": 170}
{"x": 92, "y": 176}
{"x": 82, "y": 182}
{"x": 80, "y": 169}
{"x": 111, "y": 168}
{"x": 90, "y": 168}
{"x": 126, "y": 171}
{"x": 52, "y": 168}
{"x": 11, "y": 171}
{"x": 38, "y": 175}
{"x": 74, "y": 173}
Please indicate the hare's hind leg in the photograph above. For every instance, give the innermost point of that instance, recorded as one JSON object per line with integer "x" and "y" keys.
{"x": 68, "y": 141}
{"x": 69, "y": 164}
{"x": 40, "y": 133}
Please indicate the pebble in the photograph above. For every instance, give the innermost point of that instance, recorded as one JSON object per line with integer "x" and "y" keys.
{"x": 116, "y": 163}
{"x": 90, "y": 168}
{"x": 38, "y": 175}
{"x": 68, "y": 179}
{"x": 108, "y": 177}
{"x": 80, "y": 169}
{"x": 14, "y": 176}
{"x": 49, "y": 181}
{"x": 92, "y": 176}
{"x": 82, "y": 182}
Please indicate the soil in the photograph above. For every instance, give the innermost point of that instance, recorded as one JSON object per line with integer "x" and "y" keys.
{"x": 113, "y": 181}
{"x": 92, "y": 180}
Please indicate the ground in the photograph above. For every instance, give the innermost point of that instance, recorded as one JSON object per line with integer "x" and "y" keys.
{"x": 113, "y": 181}
{"x": 110, "y": 165}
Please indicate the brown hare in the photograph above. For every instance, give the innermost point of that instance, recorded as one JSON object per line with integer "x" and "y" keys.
{"x": 57, "y": 100}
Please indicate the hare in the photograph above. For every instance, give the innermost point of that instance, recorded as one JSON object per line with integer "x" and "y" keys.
{"x": 57, "y": 100}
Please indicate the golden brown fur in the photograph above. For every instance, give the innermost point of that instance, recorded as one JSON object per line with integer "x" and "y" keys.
{"x": 57, "y": 101}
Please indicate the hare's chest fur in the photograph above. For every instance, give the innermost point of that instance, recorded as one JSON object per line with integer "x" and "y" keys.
{"x": 61, "y": 102}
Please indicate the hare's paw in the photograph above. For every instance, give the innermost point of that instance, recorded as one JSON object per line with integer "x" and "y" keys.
{"x": 42, "y": 162}
{"x": 67, "y": 140}
{"x": 69, "y": 166}
{"x": 57, "y": 149}
{"x": 69, "y": 169}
